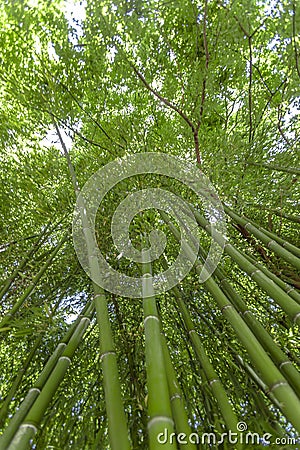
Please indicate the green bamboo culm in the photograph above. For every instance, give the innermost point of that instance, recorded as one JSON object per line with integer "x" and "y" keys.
{"x": 212, "y": 378}
{"x": 290, "y": 290}
{"x": 117, "y": 424}
{"x": 118, "y": 430}
{"x": 288, "y": 305}
{"x": 17, "y": 381}
{"x": 287, "y": 245}
{"x": 29, "y": 427}
{"x": 159, "y": 406}
{"x": 16, "y": 421}
{"x": 177, "y": 400}
{"x": 277, "y": 384}
{"x": 270, "y": 241}
{"x": 7, "y": 318}
{"x": 273, "y": 378}
{"x": 210, "y": 374}
{"x": 8, "y": 282}
{"x": 277, "y": 355}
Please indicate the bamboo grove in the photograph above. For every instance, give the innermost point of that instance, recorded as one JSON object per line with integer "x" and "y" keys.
{"x": 211, "y": 82}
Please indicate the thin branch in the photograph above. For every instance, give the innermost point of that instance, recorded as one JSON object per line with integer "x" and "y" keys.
{"x": 177, "y": 64}
{"x": 89, "y": 141}
{"x": 294, "y": 40}
{"x": 174, "y": 107}
{"x": 90, "y": 116}
{"x": 269, "y": 101}
{"x": 161, "y": 98}
{"x": 262, "y": 79}
{"x": 206, "y": 66}
{"x": 250, "y": 101}
{"x": 67, "y": 156}
{"x": 292, "y": 170}
{"x": 279, "y": 111}
{"x": 8, "y": 244}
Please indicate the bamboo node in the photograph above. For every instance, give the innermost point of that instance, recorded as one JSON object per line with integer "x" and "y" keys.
{"x": 289, "y": 289}
{"x": 29, "y": 425}
{"x": 270, "y": 243}
{"x": 215, "y": 380}
{"x": 35, "y": 389}
{"x": 107, "y": 354}
{"x": 224, "y": 280}
{"x": 255, "y": 271}
{"x": 284, "y": 363}
{"x": 175, "y": 396}
{"x": 84, "y": 318}
{"x": 65, "y": 357}
{"x": 156, "y": 419}
{"x": 297, "y": 316}
{"x": 151, "y": 317}
{"x": 192, "y": 331}
{"x": 226, "y": 307}
{"x": 277, "y": 385}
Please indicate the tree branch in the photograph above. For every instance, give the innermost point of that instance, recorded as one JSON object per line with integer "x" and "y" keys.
{"x": 294, "y": 40}
{"x": 206, "y": 66}
{"x": 293, "y": 170}
{"x": 174, "y": 107}
{"x": 161, "y": 98}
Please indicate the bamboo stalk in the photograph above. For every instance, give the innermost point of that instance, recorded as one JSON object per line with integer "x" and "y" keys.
{"x": 213, "y": 380}
{"x": 291, "y": 308}
{"x": 34, "y": 392}
{"x": 274, "y": 379}
{"x": 176, "y": 399}
{"x": 241, "y": 363}
{"x": 210, "y": 374}
{"x": 159, "y": 406}
{"x": 260, "y": 234}
{"x": 30, "y": 425}
{"x": 118, "y": 431}
{"x": 278, "y": 356}
{"x": 8, "y": 282}
{"x": 284, "y": 394}
{"x": 290, "y": 290}
{"x": 6, "y": 319}
{"x": 16, "y": 383}
{"x": 287, "y": 245}
{"x": 117, "y": 424}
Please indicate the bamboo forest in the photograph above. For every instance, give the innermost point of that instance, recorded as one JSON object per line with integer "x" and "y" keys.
{"x": 150, "y": 224}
